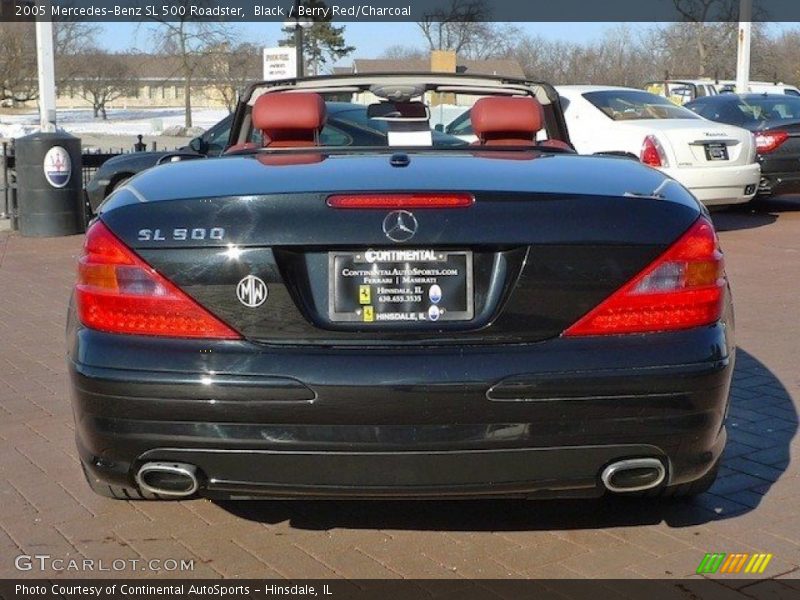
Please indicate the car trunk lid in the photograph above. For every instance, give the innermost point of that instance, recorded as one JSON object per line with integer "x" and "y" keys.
{"x": 701, "y": 143}
{"x": 514, "y": 266}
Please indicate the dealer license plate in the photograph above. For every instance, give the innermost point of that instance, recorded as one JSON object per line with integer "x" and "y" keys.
{"x": 420, "y": 285}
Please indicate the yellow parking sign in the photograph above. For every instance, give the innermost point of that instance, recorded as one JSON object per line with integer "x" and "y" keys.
{"x": 369, "y": 314}
{"x": 364, "y": 295}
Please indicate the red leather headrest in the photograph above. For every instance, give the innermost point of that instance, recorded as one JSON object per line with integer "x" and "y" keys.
{"x": 501, "y": 120}
{"x": 289, "y": 118}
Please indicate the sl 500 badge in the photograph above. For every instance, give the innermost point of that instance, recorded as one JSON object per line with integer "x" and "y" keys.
{"x": 181, "y": 234}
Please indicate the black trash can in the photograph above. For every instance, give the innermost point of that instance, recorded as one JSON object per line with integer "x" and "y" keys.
{"x": 49, "y": 185}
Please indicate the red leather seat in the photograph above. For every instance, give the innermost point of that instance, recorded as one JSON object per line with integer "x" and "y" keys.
{"x": 290, "y": 119}
{"x": 505, "y": 121}
{"x": 501, "y": 121}
{"x": 556, "y": 144}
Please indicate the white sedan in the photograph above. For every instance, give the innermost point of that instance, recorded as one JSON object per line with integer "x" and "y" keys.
{"x": 715, "y": 161}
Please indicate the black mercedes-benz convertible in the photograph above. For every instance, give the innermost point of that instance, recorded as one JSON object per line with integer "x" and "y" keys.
{"x": 299, "y": 319}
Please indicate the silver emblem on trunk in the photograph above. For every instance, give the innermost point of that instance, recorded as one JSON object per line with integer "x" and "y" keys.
{"x": 400, "y": 225}
{"x": 252, "y": 291}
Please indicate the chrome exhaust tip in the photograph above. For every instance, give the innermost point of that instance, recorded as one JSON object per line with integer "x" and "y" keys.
{"x": 176, "y": 480}
{"x": 633, "y": 475}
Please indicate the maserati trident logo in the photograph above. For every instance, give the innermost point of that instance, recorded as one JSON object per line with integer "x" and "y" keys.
{"x": 400, "y": 225}
{"x": 252, "y": 291}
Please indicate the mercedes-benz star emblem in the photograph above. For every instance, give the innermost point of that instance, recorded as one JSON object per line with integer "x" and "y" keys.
{"x": 400, "y": 225}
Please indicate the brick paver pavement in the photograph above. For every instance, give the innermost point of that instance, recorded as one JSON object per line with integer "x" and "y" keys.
{"x": 46, "y": 508}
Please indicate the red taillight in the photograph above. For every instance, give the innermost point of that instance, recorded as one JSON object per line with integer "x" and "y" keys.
{"x": 769, "y": 141}
{"x": 652, "y": 152}
{"x": 683, "y": 288}
{"x": 118, "y": 292}
{"x": 391, "y": 201}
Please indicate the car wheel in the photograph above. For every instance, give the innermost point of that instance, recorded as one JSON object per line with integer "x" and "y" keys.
{"x": 118, "y": 182}
{"x": 117, "y": 492}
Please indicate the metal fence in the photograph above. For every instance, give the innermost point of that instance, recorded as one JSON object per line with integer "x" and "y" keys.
{"x": 90, "y": 160}
{"x": 9, "y": 183}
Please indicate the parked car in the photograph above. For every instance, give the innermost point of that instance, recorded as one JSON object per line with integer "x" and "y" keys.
{"x": 681, "y": 91}
{"x": 774, "y": 119}
{"x": 116, "y": 171}
{"x": 461, "y": 127}
{"x": 296, "y": 320}
{"x": 761, "y": 87}
{"x": 715, "y": 161}
{"x": 347, "y": 125}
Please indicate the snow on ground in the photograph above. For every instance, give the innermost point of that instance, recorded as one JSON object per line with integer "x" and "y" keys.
{"x": 145, "y": 121}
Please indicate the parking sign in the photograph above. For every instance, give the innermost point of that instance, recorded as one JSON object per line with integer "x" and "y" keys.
{"x": 279, "y": 63}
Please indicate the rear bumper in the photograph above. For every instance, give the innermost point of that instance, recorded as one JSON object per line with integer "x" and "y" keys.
{"x": 524, "y": 420}
{"x": 779, "y": 183}
{"x": 720, "y": 185}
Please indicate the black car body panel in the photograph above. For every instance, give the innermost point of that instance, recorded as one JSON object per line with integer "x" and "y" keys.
{"x": 530, "y": 419}
{"x": 536, "y": 270}
{"x": 500, "y": 402}
{"x": 780, "y": 169}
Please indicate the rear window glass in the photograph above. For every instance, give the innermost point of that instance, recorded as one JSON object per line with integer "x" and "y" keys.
{"x": 624, "y": 105}
{"x": 769, "y": 108}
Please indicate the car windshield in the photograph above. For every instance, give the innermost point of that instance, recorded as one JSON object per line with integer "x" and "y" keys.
{"x": 624, "y": 105}
{"x": 769, "y": 108}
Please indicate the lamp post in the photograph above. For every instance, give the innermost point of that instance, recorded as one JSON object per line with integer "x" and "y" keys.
{"x": 46, "y": 71}
{"x": 743, "y": 55}
{"x": 297, "y": 25}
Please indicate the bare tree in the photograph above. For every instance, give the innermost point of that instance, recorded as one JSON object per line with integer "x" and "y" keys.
{"x": 777, "y": 58}
{"x": 71, "y": 39}
{"x": 491, "y": 40}
{"x": 17, "y": 63}
{"x": 401, "y": 52}
{"x": 464, "y": 27}
{"x": 231, "y": 68}
{"x": 18, "y": 76}
{"x": 103, "y": 78}
{"x": 455, "y": 27}
{"x": 711, "y": 30}
{"x": 192, "y": 42}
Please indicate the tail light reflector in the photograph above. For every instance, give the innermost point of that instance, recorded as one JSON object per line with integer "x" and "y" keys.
{"x": 392, "y": 201}
{"x": 652, "y": 153}
{"x": 769, "y": 141}
{"x": 118, "y": 292}
{"x": 681, "y": 289}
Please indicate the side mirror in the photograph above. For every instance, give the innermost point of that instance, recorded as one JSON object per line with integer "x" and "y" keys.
{"x": 439, "y": 127}
{"x": 199, "y": 145}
